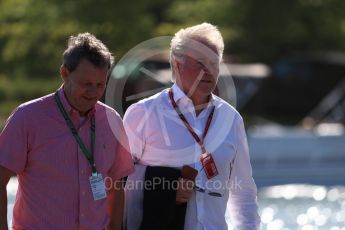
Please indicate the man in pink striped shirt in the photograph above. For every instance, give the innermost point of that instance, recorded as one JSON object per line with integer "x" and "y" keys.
{"x": 64, "y": 147}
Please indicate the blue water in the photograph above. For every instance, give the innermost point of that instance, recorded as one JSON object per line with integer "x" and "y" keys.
{"x": 302, "y": 207}
{"x": 286, "y": 207}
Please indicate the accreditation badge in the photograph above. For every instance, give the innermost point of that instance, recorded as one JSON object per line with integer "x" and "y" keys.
{"x": 97, "y": 186}
{"x": 209, "y": 165}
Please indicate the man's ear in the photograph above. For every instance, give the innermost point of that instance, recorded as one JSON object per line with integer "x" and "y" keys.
{"x": 64, "y": 72}
{"x": 176, "y": 68}
{"x": 176, "y": 64}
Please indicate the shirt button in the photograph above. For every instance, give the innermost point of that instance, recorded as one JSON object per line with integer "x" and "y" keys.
{"x": 82, "y": 215}
{"x": 83, "y": 193}
{"x": 82, "y": 172}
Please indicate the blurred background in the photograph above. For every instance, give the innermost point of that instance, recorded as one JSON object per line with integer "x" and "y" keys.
{"x": 287, "y": 62}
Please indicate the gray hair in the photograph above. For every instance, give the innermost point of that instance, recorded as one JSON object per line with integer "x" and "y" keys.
{"x": 86, "y": 46}
{"x": 205, "y": 34}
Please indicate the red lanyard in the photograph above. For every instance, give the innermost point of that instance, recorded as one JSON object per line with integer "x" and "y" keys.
{"x": 185, "y": 122}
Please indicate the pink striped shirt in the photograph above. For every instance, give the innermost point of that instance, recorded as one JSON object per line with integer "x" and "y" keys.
{"x": 53, "y": 173}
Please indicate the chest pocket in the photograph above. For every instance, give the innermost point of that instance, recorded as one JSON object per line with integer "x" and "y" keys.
{"x": 105, "y": 150}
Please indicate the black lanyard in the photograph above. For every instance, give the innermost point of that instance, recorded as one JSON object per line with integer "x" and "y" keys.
{"x": 74, "y": 131}
{"x": 185, "y": 122}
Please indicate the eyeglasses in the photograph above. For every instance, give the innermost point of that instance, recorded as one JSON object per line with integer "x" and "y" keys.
{"x": 199, "y": 189}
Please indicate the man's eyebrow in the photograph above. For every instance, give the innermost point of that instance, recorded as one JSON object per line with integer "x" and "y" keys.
{"x": 210, "y": 60}
{"x": 201, "y": 58}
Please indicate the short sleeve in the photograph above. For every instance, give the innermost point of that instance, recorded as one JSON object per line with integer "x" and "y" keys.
{"x": 14, "y": 142}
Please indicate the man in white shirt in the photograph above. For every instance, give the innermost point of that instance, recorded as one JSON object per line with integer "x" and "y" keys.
{"x": 209, "y": 136}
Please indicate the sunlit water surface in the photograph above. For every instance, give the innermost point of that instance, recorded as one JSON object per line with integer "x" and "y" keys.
{"x": 287, "y": 207}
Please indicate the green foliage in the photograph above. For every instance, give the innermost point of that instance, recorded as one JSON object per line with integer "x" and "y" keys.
{"x": 6, "y": 109}
{"x": 33, "y": 36}
{"x": 33, "y": 33}
{"x": 26, "y": 89}
{"x": 272, "y": 28}
{"x": 263, "y": 30}
{"x": 16, "y": 91}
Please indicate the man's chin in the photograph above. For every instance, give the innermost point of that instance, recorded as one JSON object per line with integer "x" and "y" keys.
{"x": 84, "y": 111}
{"x": 206, "y": 89}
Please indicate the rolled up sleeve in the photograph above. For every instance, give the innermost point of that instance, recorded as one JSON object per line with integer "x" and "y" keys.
{"x": 242, "y": 202}
{"x": 134, "y": 126}
{"x": 123, "y": 163}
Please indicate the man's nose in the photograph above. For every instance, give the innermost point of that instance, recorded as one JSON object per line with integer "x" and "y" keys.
{"x": 93, "y": 90}
{"x": 210, "y": 69}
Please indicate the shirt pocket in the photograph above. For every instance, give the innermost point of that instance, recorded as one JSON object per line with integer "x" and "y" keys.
{"x": 105, "y": 150}
{"x": 223, "y": 157}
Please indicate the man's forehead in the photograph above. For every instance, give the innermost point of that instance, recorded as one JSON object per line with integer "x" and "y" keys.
{"x": 200, "y": 50}
{"x": 210, "y": 55}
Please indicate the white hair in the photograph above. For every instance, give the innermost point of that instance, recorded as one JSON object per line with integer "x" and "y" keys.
{"x": 205, "y": 33}
{"x": 204, "y": 36}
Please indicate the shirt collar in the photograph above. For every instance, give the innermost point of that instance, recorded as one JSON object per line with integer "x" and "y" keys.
{"x": 67, "y": 106}
{"x": 179, "y": 94}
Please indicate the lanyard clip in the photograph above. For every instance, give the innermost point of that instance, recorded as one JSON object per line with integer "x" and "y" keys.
{"x": 203, "y": 150}
{"x": 94, "y": 170}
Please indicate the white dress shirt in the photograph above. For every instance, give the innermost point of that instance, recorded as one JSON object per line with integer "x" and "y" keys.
{"x": 158, "y": 137}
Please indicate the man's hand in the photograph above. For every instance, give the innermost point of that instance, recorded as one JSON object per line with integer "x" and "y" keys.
{"x": 184, "y": 191}
{"x": 5, "y": 176}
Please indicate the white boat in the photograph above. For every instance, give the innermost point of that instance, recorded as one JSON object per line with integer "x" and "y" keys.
{"x": 281, "y": 155}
